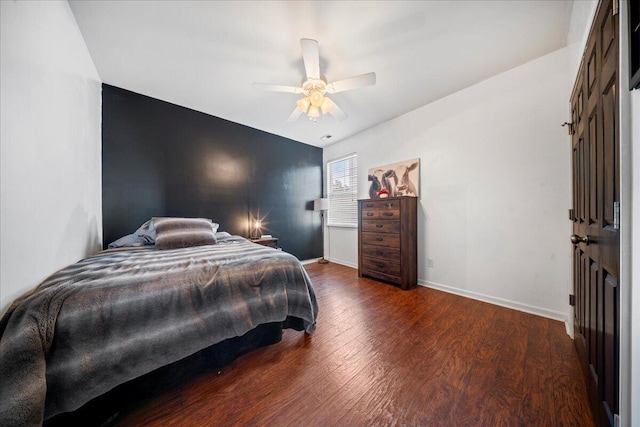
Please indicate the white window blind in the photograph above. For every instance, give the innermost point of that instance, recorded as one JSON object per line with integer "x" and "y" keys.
{"x": 342, "y": 191}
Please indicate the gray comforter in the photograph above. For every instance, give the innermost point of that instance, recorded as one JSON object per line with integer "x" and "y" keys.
{"x": 122, "y": 313}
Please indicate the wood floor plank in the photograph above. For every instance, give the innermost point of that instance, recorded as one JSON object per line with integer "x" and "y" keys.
{"x": 454, "y": 374}
{"x": 383, "y": 356}
{"x": 537, "y": 406}
{"x": 434, "y": 342}
{"x": 568, "y": 384}
{"x": 482, "y": 382}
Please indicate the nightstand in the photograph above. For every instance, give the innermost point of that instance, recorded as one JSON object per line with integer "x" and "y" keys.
{"x": 271, "y": 242}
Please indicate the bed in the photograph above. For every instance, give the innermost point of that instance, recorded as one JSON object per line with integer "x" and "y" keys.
{"x": 125, "y": 312}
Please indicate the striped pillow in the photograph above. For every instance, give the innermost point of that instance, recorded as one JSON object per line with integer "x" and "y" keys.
{"x": 173, "y": 233}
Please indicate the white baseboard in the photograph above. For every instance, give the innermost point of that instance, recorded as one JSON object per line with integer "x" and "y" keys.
{"x": 345, "y": 263}
{"x": 550, "y": 314}
{"x": 336, "y": 261}
{"x": 569, "y": 329}
{"x": 539, "y": 311}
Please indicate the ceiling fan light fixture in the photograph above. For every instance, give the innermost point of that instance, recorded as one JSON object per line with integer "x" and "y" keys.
{"x": 313, "y": 112}
{"x": 326, "y": 105}
{"x": 314, "y": 86}
{"x": 303, "y": 104}
{"x": 316, "y": 98}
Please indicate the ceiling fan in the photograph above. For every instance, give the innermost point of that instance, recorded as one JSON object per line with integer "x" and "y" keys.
{"x": 314, "y": 86}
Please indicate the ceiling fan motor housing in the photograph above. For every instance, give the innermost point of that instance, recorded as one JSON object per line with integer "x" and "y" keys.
{"x": 314, "y": 85}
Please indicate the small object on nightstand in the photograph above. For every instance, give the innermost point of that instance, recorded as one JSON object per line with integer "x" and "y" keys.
{"x": 271, "y": 242}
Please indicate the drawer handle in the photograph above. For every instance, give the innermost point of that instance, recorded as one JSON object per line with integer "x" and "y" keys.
{"x": 379, "y": 239}
{"x": 388, "y": 214}
{"x": 379, "y": 253}
{"x": 369, "y": 213}
{"x": 379, "y": 226}
{"x": 389, "y": 205}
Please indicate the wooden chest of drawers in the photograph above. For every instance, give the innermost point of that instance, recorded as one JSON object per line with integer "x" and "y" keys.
{"x": 387, "y": 245}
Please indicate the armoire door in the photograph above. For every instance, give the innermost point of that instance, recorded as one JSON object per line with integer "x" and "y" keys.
{"x": 596, "y": 224}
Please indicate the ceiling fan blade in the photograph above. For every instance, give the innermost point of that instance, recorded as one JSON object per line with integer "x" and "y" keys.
{"x": 311, "y": 58}
{"x": 294, "y": 116}
{"x": 278, "y": 88}
{"x": 363, "y": 80}
{"x": 337, "y": 112}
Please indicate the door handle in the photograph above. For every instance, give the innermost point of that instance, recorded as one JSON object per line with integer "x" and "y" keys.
{"x": 575, "y": 239}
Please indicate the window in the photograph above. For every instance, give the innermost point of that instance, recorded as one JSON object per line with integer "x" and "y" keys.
{"x": 342, "y": 191}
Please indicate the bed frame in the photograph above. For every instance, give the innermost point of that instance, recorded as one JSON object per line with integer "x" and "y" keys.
{"x": 105, "y": 409}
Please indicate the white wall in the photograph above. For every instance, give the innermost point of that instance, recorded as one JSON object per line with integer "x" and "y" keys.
{"x": 582, "y": 14}
{"x": 495, "y": 187}
{"x": 50, "y": 119}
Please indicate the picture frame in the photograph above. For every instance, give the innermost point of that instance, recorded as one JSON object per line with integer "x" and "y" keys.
{"x": 395, "y": 179}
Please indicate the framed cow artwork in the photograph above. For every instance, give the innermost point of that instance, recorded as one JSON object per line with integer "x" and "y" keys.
{"x": 395, "y": 180}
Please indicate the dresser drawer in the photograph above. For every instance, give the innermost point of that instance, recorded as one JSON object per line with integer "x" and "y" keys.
{"x": 390, "y": 254}
{"x": 381, "y": 204}
{"x": 388, "y": 213}
{"x": 382, "y": 276}
{"x": 370, "y": 204}
{"x": 388, "y": 205}
{"x": 369, "y": 213}
{"x": 375, "y": 226}
{"x": 386, "y": 267}
{"x": 380, "y": 213}
{"x": 381, "y": 239}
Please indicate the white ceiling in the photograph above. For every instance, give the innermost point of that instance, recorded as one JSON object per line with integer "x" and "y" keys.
{"x": 205, "y": 55}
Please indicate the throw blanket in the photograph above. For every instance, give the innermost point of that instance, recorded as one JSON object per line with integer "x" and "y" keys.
{"x": 125, "y": 312}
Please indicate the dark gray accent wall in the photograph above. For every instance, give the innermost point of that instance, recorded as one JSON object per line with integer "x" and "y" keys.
{"x": 160, "y": 159}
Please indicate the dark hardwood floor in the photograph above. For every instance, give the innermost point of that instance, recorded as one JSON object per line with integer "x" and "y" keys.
{"x": 383, "y": 356}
